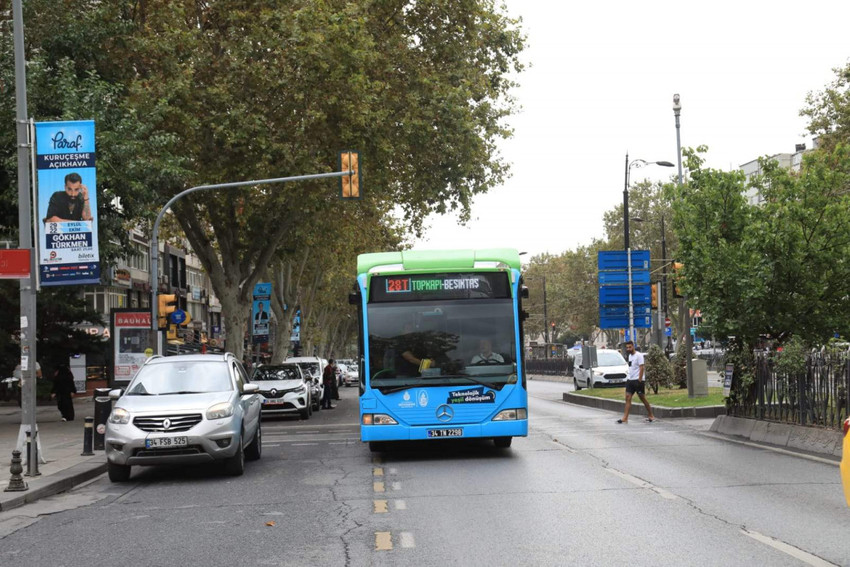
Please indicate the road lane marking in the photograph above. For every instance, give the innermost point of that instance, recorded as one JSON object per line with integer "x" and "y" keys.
{"x": 271, "y": 444}
{"x": 378, "y": 487}
{"x": 406, "y": 540}
{"x": 377, "y": 471}
{"x": 788, "y": 549}
{"x": 383, "y": 541}
{"x": 303, "y": 444}
{"x": 396, "y": 486}
{"x": 380, "y": 506}
{"x": 393, "y": 470}
{"x": 400, "y": 504}
{"x": 643, "y": 484}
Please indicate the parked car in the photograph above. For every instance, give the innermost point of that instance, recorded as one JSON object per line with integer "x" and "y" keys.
{"x": 352, "y": 376}
{"x": 611, "y": 370}
{"x": 341, "y": 374}
{"x": 284, "y": 389}
{"x": 188, "y": 409}
{"x": 845, "y": 461}
{"x": 313, "y": 367}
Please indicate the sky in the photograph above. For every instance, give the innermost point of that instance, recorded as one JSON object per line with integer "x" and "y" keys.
{"x": 600, "y": 83}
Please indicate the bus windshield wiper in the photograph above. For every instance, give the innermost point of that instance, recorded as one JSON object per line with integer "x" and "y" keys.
{"x": 391, "y": 389}
{"x": 471, "y": 379}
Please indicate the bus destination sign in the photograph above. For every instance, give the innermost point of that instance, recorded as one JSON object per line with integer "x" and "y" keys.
{"x": 487, "y": 285}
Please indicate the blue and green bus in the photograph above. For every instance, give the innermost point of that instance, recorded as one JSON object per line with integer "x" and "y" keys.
{"x": 440, "y": 344}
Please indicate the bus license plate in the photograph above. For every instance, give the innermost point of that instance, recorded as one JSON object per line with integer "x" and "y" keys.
{"x": 445, "y": 433}
{"x": 165, "y": 442}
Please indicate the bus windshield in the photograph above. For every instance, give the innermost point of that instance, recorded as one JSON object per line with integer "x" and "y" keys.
{"x": 442, "y": 343}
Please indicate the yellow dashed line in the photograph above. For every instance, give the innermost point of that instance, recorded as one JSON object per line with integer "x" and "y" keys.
{"x": 380, "y": 506}
{"x": 378, "y": 486}
{"x": 383, "y": 541}
{"x": 378, "y": 471}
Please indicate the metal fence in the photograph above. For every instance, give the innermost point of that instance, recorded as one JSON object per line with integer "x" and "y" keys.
{"x": 819, "y": 396}
{"x": 557, "y": 366}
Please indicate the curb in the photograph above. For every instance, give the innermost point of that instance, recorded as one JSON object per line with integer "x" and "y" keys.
{"x": 55, "y": 483}
{"x": 659, "y": 411}
{"x": 790, "y": 436}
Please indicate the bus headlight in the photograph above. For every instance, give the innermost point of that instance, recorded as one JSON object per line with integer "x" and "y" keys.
{"x": 511, "y": 414}
{"x": 378, "y": 419}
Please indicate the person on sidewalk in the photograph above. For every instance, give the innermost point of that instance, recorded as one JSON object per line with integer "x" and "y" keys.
{"x": 328, "y": 379}
{"x": 636, "y": 383}
{"x": 63, "y": 388}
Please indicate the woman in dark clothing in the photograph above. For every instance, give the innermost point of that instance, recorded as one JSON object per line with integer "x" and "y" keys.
{"x": 63, "y": 387}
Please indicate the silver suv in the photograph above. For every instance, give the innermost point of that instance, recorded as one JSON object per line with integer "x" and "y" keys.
{"x": 184, "y": 410}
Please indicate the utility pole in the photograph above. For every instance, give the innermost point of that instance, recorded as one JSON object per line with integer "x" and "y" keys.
{"x": 28, "y": 299}
{"x": 545, "y": 321}
{"x": 683, "y": 304}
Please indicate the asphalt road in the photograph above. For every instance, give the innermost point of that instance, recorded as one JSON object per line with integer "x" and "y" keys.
{"x": 580, "y": 490}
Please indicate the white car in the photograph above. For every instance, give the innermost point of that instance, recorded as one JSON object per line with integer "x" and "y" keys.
{"x": 612, "y": 370}
{"x": 313, "y": 367}
{"x": 284, "y": 389}
{"x": 352, "y": 376}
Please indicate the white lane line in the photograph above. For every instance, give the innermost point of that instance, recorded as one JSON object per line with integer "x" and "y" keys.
{"x": 788, "y": 549}
{"x": 396, "y": 486}
{"x": 643, "y": 484}
{"x": 406, "y": 540}
{"x": 393, "y": 470}
{"x": 303, "y": 444}
{"x": 271, "y": 444}
{"x": 400, "y": 504}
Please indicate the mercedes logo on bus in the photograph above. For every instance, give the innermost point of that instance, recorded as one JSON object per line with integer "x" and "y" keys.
{"x": 445, "y": 413}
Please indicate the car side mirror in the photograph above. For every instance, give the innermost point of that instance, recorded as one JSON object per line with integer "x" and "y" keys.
{"x": 250, "y": 388}
{"x": 580, "y": 366}
{"x": 116, "y": 393}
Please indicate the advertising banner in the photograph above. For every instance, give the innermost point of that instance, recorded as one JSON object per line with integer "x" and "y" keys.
{"x": 132, "y": 345}
{"x": 67, "y": 203}
{"x": 261, "y": 313}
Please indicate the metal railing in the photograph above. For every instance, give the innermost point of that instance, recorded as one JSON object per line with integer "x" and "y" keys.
{"x": 818, "y": 395}
{"x": 550, "y": 366}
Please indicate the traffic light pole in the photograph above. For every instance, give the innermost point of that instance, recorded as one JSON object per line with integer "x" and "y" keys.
{"x": 545, "y": 322}
{"x": 155, "y": 236}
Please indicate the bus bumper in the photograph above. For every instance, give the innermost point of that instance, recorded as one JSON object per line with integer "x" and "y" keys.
{"x": 513, "y": 428}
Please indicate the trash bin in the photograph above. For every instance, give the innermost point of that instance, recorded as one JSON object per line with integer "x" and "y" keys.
{"x": 102, "y": 409}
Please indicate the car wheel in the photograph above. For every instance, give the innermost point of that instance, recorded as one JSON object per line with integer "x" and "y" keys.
{"x": 235, "y": 465}
{"x": 502, "y": 442}
{"x": 309, "y": 406}
{"x": 575, "y": 384}
{"x": 118, "y": 473}
{"x": 255, "y": 450}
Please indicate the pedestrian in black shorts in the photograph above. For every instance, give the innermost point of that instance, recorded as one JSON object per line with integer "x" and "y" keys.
{"x": 635, "y": 383}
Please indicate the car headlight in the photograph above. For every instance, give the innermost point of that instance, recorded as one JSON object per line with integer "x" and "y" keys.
{"x": 220, "y": 411}
{"x": 598, "y": 373}
{"x": 378, "y": 419}
{"x": 301, "y": 390}
{"x": 119, "y": 415}
{"x": 511, "y": 414}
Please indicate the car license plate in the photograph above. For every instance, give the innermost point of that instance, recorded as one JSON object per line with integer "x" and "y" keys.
{"x": 445, "y": 433}
{"x": 272, "y": 402}
{"x": 165, "y": 442}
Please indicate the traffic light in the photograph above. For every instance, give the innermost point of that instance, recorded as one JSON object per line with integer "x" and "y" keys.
{"x": 349, "y": 185}
{"x": 677, "y": 275}
{"x": 167, "y": 303}
{"x": 553, "y": 325}
{"x": 654, "y": 296}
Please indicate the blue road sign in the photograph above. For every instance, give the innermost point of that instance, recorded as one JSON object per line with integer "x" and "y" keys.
{"x": 619, "y": 295}
{"x": 622, "y": 278}
{"x": 668, "y": 332}
{"x": 623, "y": 311}
{"x": 617, "y": 260}
{"x": 178, "y": 316}
{"x": 623, "y": 322}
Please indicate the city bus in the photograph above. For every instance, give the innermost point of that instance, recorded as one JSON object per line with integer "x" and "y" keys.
{"x": 440, "y": 345}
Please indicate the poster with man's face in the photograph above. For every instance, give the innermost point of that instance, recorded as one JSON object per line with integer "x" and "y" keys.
{"x": 66, "y": 227}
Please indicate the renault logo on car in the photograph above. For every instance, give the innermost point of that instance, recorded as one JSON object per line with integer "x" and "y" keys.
{"x": 166, "y": 423}
{"x": 445, "y": 413}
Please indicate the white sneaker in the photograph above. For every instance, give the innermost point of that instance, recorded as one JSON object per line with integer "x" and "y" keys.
{"x": 63, "y": 419}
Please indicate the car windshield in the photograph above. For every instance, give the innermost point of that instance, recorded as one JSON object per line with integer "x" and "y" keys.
{"x": 276, "y": 373}
{"x": 183, "y": 377}
{"x": 611, "y": 359}
{"x": 310, "y": 368}
{"x": 464, "y": 341}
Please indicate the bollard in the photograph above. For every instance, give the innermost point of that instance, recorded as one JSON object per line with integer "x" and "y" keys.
{"x": 32, "y": 457}
{"x": 88, "y": 430}
{"x": 16, "y": 482}
{"x": 102, "y": 409}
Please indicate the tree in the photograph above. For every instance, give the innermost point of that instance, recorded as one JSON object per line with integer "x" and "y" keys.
{"x": 828, "y": 110}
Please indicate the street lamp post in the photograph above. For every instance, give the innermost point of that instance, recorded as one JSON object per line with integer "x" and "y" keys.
{"x": 629, "y": 165}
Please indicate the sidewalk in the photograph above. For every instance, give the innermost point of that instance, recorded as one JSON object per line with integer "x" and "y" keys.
{"x": 61, "y": 445}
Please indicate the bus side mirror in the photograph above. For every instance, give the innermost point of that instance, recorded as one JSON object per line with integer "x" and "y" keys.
{"x": 354, "y": 298}
{"x": 524, "y": 292}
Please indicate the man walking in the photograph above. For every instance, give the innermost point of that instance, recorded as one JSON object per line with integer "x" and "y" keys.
{"x": 636, "y": 383}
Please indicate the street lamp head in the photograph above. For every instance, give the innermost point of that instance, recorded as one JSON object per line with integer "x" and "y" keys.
{"x": 676, "y": 106}
{"x": 664, "y": 163}
{"x": 636, "y": 219}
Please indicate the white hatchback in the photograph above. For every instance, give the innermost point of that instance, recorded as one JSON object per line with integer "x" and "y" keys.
{"x": 612, "y": 370}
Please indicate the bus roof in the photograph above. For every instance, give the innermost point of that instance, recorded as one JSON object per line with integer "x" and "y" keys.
{"x": 437, "y": 259}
